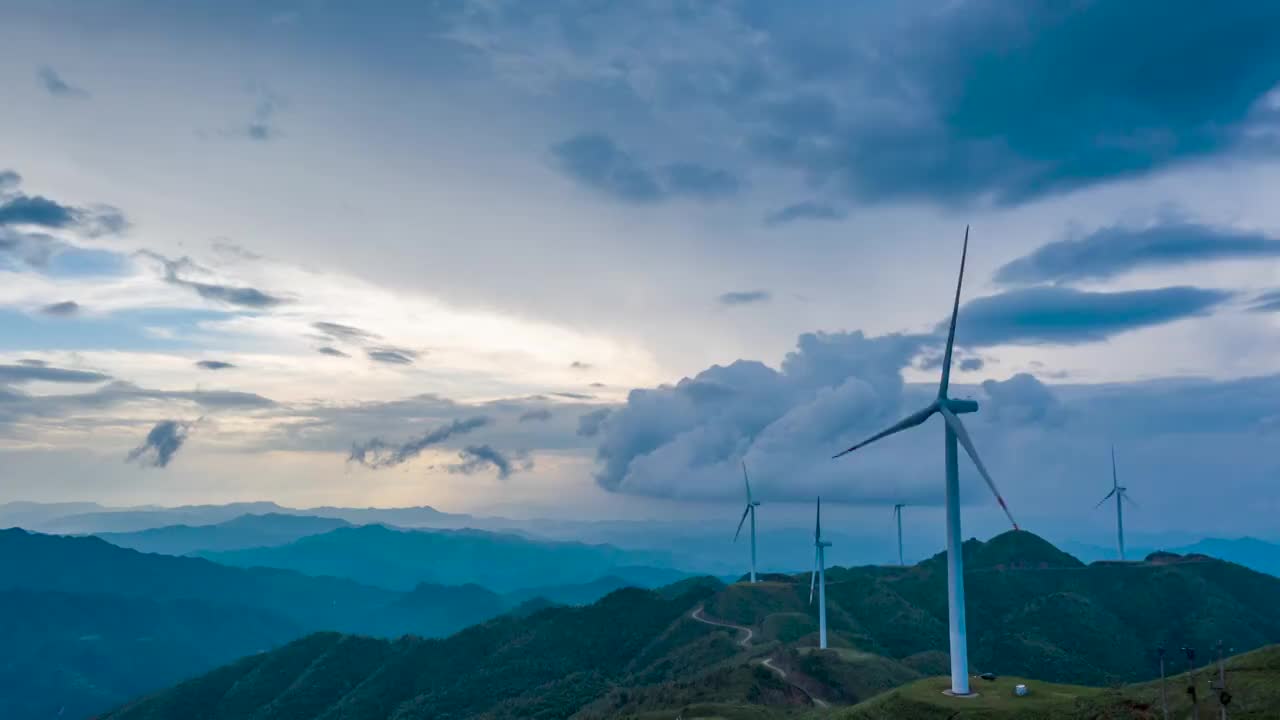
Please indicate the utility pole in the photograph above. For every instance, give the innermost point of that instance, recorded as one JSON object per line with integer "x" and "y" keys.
{"x": 1224, "y": 697}
{"x": 1164, "y": 695}
{"x": 1191, "y": 682}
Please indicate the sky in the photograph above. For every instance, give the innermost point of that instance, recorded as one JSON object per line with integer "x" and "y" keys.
{"x": 583, "y": 259}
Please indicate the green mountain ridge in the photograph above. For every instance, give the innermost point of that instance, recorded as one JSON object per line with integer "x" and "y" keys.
{"x": 1033, "y": 611}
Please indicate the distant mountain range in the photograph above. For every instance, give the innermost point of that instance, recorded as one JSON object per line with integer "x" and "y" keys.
{"x": 239, "y": 533}
{"x": 77, "y": 609}
{"x": 1034, "y": 611}
{"x": 401, "y": 559}
{"x": 1250, "y": 552}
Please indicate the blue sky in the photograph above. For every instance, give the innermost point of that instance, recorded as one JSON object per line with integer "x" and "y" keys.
{"x": 643, "y": 241}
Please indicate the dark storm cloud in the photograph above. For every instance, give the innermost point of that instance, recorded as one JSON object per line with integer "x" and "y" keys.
{"x": 161, "y": 443}
{"x": 475, "y": 458}
{"x": 804, "y": 211}
{"x": 379, "y": 453}
{"x": 27, "y": 372}
{"x": 744, "y": 297}
{"x": 1111, "y": 251}
{"x": 540, "y": 414}
{"x": 331, "y": 351}
{"x": 971, "y": 364}
{"x": 66, "y": 308}
{"x": 392, "y": 355}
{"x": 1060, "y": 315}
{"x": 214, "y": 365}
{"x": 53, "y": 83}
{"x": 596, "y": 161}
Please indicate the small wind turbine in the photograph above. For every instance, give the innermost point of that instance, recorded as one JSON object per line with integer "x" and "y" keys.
{"x": 819, "y": 577}
{"x": 750, "y": 510}
{"x": 897, "y": 515}
{"x": 1121, "y": 494}
{"x": 950, "y": 410}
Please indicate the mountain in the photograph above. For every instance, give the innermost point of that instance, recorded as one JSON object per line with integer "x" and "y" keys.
{"x": 401, "y": 559}
{"x": 245, "y": 531}
{"x": 134, "y": 519}
{"x": 702, "y": 649}
{"x": 69, "y": 655}
{"x": 1250, "y": 552}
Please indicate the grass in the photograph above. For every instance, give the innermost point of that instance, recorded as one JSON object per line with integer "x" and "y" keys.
{"x": 924, "y": 700}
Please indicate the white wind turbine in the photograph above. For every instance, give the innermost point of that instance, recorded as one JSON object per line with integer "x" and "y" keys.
{"x": 897, "y": 515}
{"x": 819, "y": 576}
{"x": 750, "y": 510}
{"x": 1122, "y": 495}
{"x": 950, "y": 410}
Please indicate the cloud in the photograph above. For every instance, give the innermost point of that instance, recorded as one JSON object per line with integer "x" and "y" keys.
{"x": 969, "y": 364}
{"x": 261, "y": 127}
{"x": 540, "y": 414}
{"x": 1060, "y": 315}
{"x": 162, "y": 442}
{"x": 1110, "y": 251}
{"x": 65, "y": 308}
{"x": 36, "y": 210}
{"x": 347, "y": 333}
{"x": 596, "y": 161}
{"x": 331, "y": 351}
{"x": 744, "y": 297}
{"x": 574, "y": 395}
{"x": 27, "y": 372}
{"x": 53, "y": 83}
{"x": 478, "y": 457}
{"x": 9, "y": 179}
{"x": 392, "y": 355}
{"x": 1021, "y": 399}
{"x": 807, "y": 210}
{"x": 378, "y": 453}
{"x": 1266, "y": 302}
{"x": 232, "y": 295}
{"x": 214, "y": 365}
{"x": 579, "y": 365}
{"x": 589, "y": 424}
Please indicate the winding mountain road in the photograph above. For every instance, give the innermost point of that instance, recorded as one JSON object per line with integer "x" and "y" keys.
{"x": 747, "y": 634}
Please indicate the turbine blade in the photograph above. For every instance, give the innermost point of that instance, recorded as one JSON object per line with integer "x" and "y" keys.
{"x": 745, "y": 480}
{"x": 1125, "y": 497}
{"x": 817, "y": 524}
{"x": 909, "y": 421}
{"x": 744, "y": 519}
{"x": 813, "y": 577}
{"x": 1115, "y": 482}
{"x": 951, "y": 333}
{"x": 963, "y": 436}
{"x": 1108, "y": 497}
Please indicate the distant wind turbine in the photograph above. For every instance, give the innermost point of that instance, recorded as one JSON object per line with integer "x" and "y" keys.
{"x": 750, "y": 510}
{"x": 950, "y": 410}
{"x": 897, "y": 515}
{"x": 1122, "y": 495}
{"x": 819, "y": 577}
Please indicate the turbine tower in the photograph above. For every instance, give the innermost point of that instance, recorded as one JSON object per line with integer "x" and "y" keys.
{"x": 897, "y": 515}
{"x": 819, "y": 577}
{"x": 1122, "y": 495}
{"x": 950, "y": 410}
{"x": 750, "y": 510}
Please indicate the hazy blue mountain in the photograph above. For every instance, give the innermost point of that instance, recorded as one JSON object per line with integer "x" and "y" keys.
{"x": 69, "y": 655}
{"x": 246, "y": 531}
{"x": 32, "y": 514}
{"x": 1252, "y": 553}
{"x": 135, "y": 519}
{"x": 401, "y": 559}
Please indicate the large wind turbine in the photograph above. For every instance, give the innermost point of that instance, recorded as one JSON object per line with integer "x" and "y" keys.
{"x": 1121, "y": 494}
{"x": 819, "y": 577}
{"x": 950, "y": 410}
{"x": 897, "y": 515}
{"x": 750, "y": 510}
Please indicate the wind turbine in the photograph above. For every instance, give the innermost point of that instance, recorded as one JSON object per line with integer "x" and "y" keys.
{"x": 897, "y": 515}
{"x": 1121, "y": 494}
{"x": 819, "y": 577}
{"x": 750, "y": 510}
{"x": 950, "y": 410}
